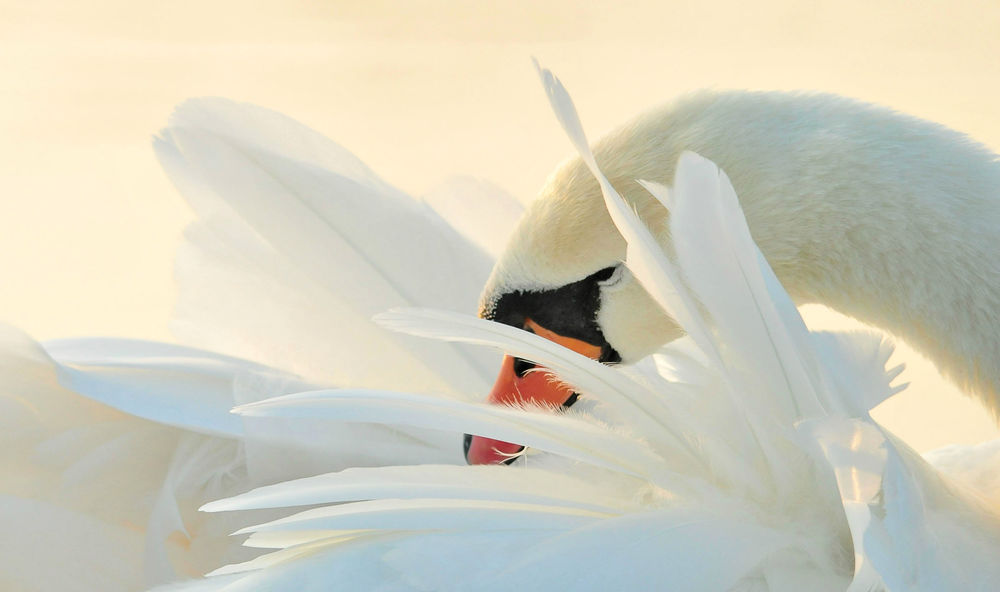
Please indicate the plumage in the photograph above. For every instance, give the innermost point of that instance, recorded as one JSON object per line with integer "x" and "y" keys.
{"x": 292, "y": 206}
{"x": 742, "y": 457}
{"x": 123, "y": 440}
{"x": 845, "y": 482}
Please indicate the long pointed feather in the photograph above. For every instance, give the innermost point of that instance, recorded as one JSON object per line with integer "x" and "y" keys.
{"x": 295, "y": 538}
{"x": 560, "y": 434}
{"x": 421, "y": 514}
{"x": 428, "y": 481}
{"x": 657, "y": 274}
{"x": 296, "y": 545}
{"x": 719, "y": 264}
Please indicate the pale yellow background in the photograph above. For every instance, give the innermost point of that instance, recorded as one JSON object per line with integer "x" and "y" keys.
{"x": 419, "y": 90}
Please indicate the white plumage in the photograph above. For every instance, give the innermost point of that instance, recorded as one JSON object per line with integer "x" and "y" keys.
{"x": 739, "y": 458}
{"x": 761, "y": 476}
{"x": 111, "y": 445}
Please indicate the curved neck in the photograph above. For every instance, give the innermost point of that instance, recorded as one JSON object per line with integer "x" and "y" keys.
{"x": 884, "y": 217}
{"x": 919, "y": 257}
{"x": 933, "y": 282}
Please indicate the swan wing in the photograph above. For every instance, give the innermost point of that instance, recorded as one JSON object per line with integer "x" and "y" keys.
{"x": 299, "y": 243}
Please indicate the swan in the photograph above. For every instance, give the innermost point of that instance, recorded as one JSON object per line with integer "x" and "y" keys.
{"x": 640, "y": 481}
{"x": 878, "y": 215}
{"x": 742, "y": 457}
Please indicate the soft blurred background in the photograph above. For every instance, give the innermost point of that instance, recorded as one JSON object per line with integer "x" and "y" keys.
{"x": 420, "y": 90}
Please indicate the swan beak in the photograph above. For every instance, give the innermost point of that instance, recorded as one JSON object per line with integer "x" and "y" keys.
{"x": 520, "y": 383}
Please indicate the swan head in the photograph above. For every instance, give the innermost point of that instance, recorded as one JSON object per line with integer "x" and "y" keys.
{"x": 562, "y": 268}
{"x": 561, "y": 276}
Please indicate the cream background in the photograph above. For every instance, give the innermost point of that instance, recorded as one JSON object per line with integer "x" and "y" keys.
{"x": 419, "y": 90}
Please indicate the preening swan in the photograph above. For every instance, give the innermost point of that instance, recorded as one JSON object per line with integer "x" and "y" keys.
{"x": 739, "y": 458}
{"x": 742, "y": 458}
{"x": 881, "y": 216}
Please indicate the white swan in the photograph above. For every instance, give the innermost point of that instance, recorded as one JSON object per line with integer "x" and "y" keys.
{"x": 616, "y": 506}
{"x": 743, "y": 459}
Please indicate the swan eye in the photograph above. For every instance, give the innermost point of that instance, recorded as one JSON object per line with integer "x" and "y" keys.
{"x": 609, "y": 276}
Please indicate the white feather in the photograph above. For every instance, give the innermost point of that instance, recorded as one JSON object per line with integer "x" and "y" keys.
{"x": 560, "y": 434}
{"x": 721, "y": 266}
{"x": 175, "y": 385}
{"x": 643, "y": 257}
{"x": 319, "y": 222}
{"x": 525, "y": 485}
{"x": 434, "y": 514}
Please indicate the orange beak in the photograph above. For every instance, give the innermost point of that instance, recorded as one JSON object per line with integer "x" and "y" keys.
{"x": 520, "y": 382}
